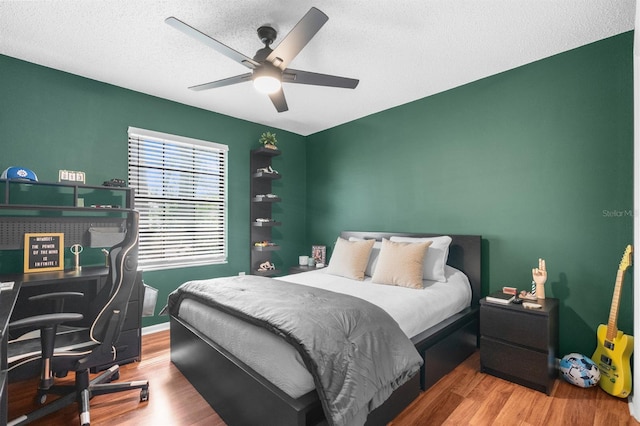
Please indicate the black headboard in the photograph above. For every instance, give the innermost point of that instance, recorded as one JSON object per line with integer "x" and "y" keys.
{"x": 465, "y": 253}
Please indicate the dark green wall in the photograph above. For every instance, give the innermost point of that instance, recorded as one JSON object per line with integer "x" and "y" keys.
{"x": 51, "y": 120}
{"x": 537, "y": 160}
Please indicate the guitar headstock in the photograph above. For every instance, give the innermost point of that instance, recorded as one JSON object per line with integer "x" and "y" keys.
{"x": 625, "y": 262}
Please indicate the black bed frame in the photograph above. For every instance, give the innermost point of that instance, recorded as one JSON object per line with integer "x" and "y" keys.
{"x": 243, "y": 397}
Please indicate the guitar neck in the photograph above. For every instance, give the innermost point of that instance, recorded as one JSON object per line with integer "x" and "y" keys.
{"x": 612, "y": 325}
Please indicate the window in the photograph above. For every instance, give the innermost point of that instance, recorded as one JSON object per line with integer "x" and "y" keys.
{"x": 181, "y": 193}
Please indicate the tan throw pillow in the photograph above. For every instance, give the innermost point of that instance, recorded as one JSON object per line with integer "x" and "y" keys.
{"x": 435, "y": 258}
{"x": 349, "y": 258}
{"x": 400, "y": 264}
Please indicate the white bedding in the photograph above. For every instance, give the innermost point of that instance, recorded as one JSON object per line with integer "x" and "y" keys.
{"x": 414, "y": 310}
{"x": 277, "y": 361}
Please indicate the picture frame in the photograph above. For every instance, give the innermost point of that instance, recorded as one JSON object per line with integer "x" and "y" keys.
{"x": 43, "y": 251}
{"x": 319, "y": 253}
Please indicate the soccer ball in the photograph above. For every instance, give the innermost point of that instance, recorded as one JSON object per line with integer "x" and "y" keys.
{"x": 579, "y": 370}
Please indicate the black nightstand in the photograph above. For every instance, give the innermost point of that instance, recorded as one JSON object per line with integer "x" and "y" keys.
{"x": 301, "y": 268}
{"x": 520, "y": 345}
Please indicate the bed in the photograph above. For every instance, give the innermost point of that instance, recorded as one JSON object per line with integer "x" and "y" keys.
{"x": 239, "y": 387}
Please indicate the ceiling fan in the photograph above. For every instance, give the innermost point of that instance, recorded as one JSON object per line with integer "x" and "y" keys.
{"x": 269, "y": 66}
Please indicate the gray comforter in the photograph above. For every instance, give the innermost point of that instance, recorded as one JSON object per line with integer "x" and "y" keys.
{"x": 355, "y": 351}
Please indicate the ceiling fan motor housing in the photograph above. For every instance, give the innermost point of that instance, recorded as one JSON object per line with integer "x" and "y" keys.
{"x": 267, "y": 34}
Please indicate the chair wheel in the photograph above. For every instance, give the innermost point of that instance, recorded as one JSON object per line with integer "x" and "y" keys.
{"x": 60, "y": 374}
{"x": 40, "y": 399}
{"x": 144, "y": 395}
{"x": 115, "y": 376}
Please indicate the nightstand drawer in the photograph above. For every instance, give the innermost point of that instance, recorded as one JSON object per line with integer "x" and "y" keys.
{"x": 529, "y": 368}
{"x": 519, "y": 328}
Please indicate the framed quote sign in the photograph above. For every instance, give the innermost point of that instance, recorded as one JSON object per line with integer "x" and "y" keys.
{"x": 43, "y": 252}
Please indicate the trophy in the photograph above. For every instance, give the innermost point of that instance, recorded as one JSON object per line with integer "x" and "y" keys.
{"x": 76, "y": 249}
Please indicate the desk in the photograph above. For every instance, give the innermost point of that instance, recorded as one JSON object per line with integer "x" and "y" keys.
{"x": 38, "y": 278}
{"x": 88, "y": 280}
{"x": 92, "y": 282}
{"x": 7, "y": 301}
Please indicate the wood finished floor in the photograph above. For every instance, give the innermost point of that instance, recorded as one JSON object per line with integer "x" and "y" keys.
{"x": 464, "y": 397}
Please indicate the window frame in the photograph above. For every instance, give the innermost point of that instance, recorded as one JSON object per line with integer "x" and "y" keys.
{"x": 134, "y": 173}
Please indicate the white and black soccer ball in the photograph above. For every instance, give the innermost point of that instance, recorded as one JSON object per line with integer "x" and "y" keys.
{"x": 579, "y": 370}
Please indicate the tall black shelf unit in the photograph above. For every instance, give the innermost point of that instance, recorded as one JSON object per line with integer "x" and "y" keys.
{"x": 262, "y": 208}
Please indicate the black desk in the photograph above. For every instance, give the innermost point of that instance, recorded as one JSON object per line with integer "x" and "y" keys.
{"x": 7, "y": 301}
{"x": 89, "y": 280}
{"x": 38, "y": 278}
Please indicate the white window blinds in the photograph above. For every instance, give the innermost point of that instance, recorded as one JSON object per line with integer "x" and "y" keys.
{"x": 181, "y": 193}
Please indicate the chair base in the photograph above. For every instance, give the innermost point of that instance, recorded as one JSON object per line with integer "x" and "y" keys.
{"x": 82, "y": 392}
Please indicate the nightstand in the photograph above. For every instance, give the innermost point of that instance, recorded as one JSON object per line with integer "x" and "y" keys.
{"x": 520, "y": 345}
{"x": 301, "y": 268}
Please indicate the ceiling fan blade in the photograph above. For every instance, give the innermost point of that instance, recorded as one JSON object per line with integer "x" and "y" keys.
{"x": 298, "y": 38}
{"x": 224, "y": 82}
{"x": 211, "y": 42}
{"x": 279, "y": 101}
{"x": 305, "y": 77}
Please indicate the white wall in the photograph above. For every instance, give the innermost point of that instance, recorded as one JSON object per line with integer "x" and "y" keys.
{"x": 634, "y": 402}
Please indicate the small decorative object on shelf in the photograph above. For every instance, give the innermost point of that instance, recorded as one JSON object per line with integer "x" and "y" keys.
{"x": 500, "y": 297}
{"x": 319, "y": 254}
{"x": 261, "y": 197}
{"x": 266, "y": 266}
{"x": 76, "y": 249}
{"x": 268, "y": 140}
{"x": 19, "y": 173}
{"x": 540, "y": 277}
{"x": 71, "y": 176}
{"x": 106, "y": 257}
{"x": 120, "y": 183}
{"x": 264, "y": 244}
{"x": 537, "y": 284}
{"x": 268, "y": 170}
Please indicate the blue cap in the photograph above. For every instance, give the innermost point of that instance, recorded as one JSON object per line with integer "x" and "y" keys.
{"x": 19, "y": 173}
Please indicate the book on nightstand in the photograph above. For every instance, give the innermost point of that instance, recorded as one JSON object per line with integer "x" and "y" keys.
{"x": 500, "y": 297}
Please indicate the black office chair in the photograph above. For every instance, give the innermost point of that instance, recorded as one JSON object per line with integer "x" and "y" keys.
{"x": 99, "y": 347}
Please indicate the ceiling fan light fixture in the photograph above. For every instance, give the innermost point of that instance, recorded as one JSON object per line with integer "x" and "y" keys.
{"x": 266, "y": 84}
{"x": 267, "y": 78}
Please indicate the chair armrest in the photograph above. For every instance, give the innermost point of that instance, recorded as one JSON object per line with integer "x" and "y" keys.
{"x": 54, "y": 296}
{"x": 45, "y": 320}
{"x": 57, "y": 299}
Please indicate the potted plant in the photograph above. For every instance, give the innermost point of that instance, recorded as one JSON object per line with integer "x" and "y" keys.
{"x": 268, "y": 140}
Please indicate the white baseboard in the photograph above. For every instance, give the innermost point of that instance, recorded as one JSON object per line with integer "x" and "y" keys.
{"x": 632, "y": 406}
{"x": 155, "y": 328}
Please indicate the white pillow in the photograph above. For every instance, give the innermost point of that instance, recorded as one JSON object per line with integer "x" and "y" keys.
{"x": 373, "y": 257}
{"x": 349, "y": 258}
{"x": 436, "y": 257}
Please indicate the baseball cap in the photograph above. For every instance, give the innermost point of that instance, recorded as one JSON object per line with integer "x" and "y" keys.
{"x": 20, "y": 173}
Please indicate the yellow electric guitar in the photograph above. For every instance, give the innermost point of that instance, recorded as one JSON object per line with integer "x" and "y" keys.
{"x": 614, "y": 347}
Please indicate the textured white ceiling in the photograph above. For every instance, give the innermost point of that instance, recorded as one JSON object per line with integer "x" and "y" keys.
{"x": 400, "y": 50}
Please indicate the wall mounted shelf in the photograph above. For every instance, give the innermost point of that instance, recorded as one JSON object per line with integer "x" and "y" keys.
{"x": 262, "y": 207}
